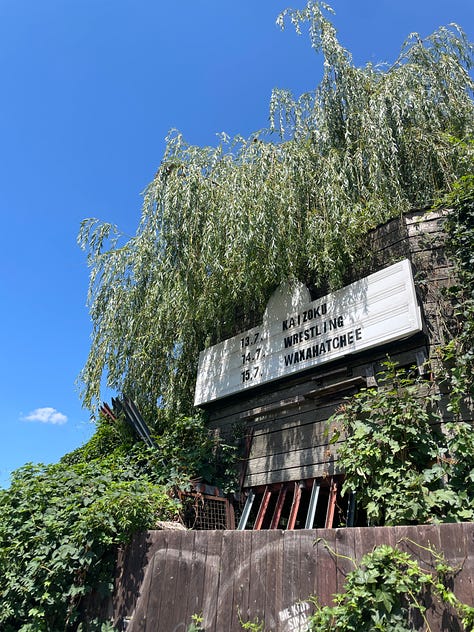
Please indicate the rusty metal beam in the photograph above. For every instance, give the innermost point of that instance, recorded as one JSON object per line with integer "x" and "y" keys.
{"x": 294, "y": 506}
{"x": 331, "y": 504}
{"x": 262, "y": 509}
{"x": 278, "y": 507}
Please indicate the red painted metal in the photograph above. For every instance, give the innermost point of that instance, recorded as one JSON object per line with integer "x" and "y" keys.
{"x": 262, "y": 509}
{"x": 331, "y": 504}
{"x": 294, "y": 506}
{"x": 108, "y": 412}
{"x": 278, "y": 507}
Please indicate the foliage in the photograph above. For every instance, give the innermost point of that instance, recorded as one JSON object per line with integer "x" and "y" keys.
{"x": 402, "y": 470}
{"x": 254, "y": 625}
{"x": 187, "y": 449}
{"x": 196, "y": 623}
{"x": 108, "y": 438}
{"x": 59, "y": 528}
{"x": 386, "y": 592}
{"x": 222, "y": 226}
{"x": 60, "y": 525}
{"x": 458, "y": 354}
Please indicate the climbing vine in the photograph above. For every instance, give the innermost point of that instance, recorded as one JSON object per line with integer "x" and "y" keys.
{"x": 402, "y": 467}
{"x": 220, "y": 228}
{"x": 458, "y": 354}
{"x": 60, "y": 526}
{"x": 388, "y": 590}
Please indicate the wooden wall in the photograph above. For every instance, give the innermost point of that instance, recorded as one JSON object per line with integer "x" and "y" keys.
{"x": 164, "y": 577}
{"x": 287, "y": 419}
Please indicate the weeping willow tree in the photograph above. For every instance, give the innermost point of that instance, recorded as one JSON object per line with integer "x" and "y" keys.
{"x": 222, "y": 226}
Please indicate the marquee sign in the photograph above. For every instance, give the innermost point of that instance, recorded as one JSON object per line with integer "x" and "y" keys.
{"x": 297, "y": 334}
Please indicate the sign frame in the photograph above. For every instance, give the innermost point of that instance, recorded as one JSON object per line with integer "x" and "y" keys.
{"x": 298, "y": 334}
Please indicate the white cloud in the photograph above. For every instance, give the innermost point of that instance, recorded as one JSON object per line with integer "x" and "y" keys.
{"x": 46, "y": 415}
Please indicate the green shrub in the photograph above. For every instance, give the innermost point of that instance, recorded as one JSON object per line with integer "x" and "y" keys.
{"x": 59, "y": 529}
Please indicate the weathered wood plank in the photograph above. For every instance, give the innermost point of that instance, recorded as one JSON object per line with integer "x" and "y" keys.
{"x": 243, "y": 557}
{"x": 277, "y": 408}
{"x": 290, "y": 460}
{"x": 130, "y": 576}
{"x": 467, "y": 564}
{"x": 211, "y": 580}
{"x": 345, "y": 544}
{"x": 228, "y": 568}
{"x": 266, "y": 396}
{"x": 291, "y": 568}
{"x": 193, "y": 597}
{"x": 266, "y": 574}
{"x": 314, "y": 414}
{"x": 256, "y": 578}
{"x": 275, "y": 596}
{"x": 364, "y": 542}
{"x": 426, "y": 215}
{"x": 309, "y": 571}
{"x": 151, "y": 595}
{"x": 328, "y": 468}
{"x": 169, "y": 613}
{"x": 325, "y": 546}
{"x": 458, "y": 546}
{"x": 309, "y": 435}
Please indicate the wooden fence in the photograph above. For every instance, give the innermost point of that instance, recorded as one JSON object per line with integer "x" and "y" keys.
{"x": 164, "y": 577}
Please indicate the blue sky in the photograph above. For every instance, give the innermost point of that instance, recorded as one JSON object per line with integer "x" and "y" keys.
{"x": 89, "y": 91}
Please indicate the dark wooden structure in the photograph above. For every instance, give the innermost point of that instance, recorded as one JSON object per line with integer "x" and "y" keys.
{"x": 290, "y": 469}
{"x": 165, "y": 577}
{"x": 287, "y": 450}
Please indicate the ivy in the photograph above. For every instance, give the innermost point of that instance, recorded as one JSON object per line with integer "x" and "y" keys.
{"x": 220, "y": 228}
{"x": 458, "y": 354}
{"x": 403, "y": 469}
{"x": 387, "y": 591}
{"x": 185, "y": 450}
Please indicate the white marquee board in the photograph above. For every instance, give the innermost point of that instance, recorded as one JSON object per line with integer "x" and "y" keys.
{"x": 297, "y": 334}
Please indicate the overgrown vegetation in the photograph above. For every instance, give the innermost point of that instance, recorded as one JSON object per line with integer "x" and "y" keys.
{"x": 220, "y": 229}
{"x": 458, "y": 354}
{"x": 59, "y": 529}
{"x": 388, "y": 590}
{"x": 222, "y": 226}
{"x": 185, "y": 450}
{"x": 60, "y": 525}
{"x": 403, "y": 468}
